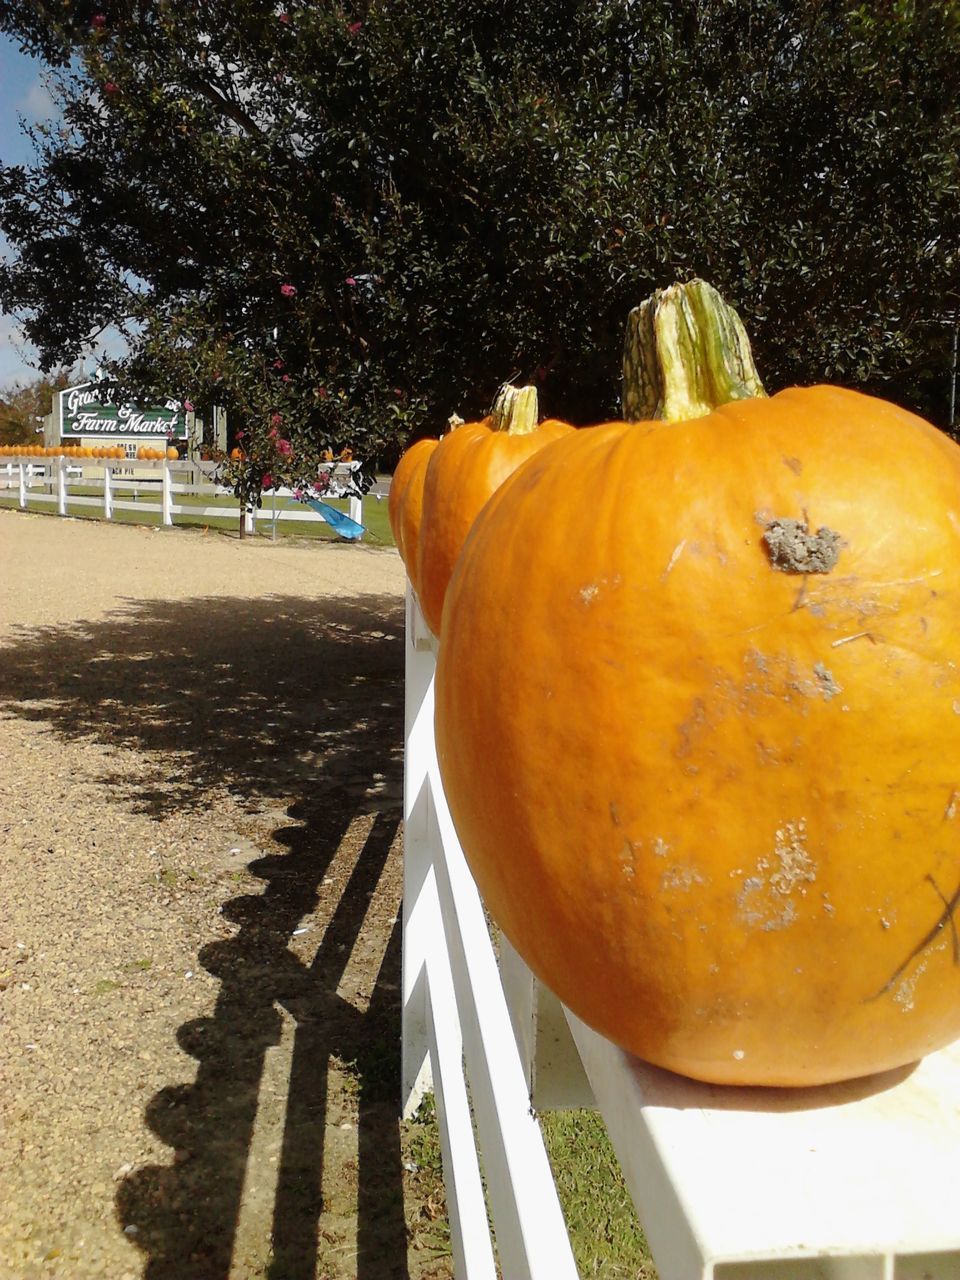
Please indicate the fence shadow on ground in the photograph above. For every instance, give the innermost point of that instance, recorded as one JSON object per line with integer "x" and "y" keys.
{"x": 270, "y": 699}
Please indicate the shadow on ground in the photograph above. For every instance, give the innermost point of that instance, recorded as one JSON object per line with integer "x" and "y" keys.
{"x": 269, "y": 699}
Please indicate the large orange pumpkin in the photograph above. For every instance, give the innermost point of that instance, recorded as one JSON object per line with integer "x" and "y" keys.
{"x": 700, "y": 736}
{"x": 405, "y": 501}
{"x": 467, "y": 467}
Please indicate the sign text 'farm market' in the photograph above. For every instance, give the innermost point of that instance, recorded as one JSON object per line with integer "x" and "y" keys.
{"x": 86, "y": 411}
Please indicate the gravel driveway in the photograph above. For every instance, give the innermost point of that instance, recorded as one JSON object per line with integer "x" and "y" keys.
{"x": 200, "y": 804}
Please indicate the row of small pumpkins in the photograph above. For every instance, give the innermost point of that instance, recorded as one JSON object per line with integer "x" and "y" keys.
{"x": 698, "y": 704}
{"x": 144, "y": 453}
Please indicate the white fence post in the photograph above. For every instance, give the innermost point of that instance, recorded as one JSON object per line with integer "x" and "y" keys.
{"x": 166, "y": 498}
{"x": 455, "y": 1016}
{"x": 417, "y": 933}
{"x": 23, "y": 485}
{"x": 107, "y": 491}
{"x": 61, "y": 485}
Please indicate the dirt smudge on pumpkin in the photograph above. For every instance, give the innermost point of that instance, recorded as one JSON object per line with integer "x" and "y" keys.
{"x": 935, "y": 939}
{"x": 766, "y": 900}
{"x": 792, "y": 547}
{"x": 590, "y": 592}
{"x": 691, "y": 728}
{"x": 629, "y": 853}
{"x": 680, "y": 877}
{"x": 778, "y": 676}
{"x": 828, "y": 686}
{"x": 905, "y": 989}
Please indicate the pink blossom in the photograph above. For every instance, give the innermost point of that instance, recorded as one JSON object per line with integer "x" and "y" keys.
{"x": 284, "y": 18}
{"x": 322, "y": 392}
{"x": 188, "y": 406}
{"x": 354, "y": 27}
{"x": 285, "y": 378}
{"x": 267, "y": 482}
{"x": 320, "y": 484}
{"x": 241, "y": 434}
{"x": 278, "y": 363}
{"x": 276, "y": 419}
{"x": 350, "y": 280}
{"x": 284, "y": 447}
{"x": 110, "y": 88}
{"x": 288, "y": 290}
{"x": 298, "y": 494}
{"x": 98, "y": 21}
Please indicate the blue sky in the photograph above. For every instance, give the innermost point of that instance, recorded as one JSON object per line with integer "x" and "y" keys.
{"x": 22, "y": 93}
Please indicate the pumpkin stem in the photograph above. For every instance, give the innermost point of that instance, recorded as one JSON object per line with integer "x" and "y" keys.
{"x": 685, "y": 353}
{"x": 515, "y": 410}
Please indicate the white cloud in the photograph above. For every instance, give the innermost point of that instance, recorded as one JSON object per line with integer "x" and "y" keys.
{"x": 18, "y": 357}
{"x": 16, "y": 354}
{"x": 37, "y": 103}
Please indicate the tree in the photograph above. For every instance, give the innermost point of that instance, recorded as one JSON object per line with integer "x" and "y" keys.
{"x": 23, "y": 405}
{"x": 364, "y": 218}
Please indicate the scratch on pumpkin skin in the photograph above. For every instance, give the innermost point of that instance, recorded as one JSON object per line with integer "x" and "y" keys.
{"x": 951, "y": 809}
{"x": 677, "y": 553}
{"x": 860, "y": 635}
{"x": 946, "y": 917}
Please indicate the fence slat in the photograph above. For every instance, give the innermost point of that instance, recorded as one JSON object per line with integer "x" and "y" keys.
{"x": 16, "y": 477}
{"x": 466, "y": 1206}
{"x": 450, "y": 941}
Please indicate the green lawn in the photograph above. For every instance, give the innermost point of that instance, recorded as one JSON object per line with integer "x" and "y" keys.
{"x": 375, "y": 518}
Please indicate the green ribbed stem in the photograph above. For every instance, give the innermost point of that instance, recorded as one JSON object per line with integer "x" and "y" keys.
{"x": 686, "y": 352}
{"x": 515, "y": 410}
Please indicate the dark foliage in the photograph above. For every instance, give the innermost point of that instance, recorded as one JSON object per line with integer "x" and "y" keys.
{"x": 461, "y": 193}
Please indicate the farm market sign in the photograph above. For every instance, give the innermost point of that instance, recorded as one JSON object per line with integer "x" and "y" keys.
{"x": 86, "y": 411}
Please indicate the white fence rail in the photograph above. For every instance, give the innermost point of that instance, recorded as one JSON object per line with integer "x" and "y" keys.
{"x": 857, "y": 1181}
{"x": 50, "y": 484}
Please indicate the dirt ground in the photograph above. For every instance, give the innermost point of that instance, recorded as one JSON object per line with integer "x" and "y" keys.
{"x": 200, "y": 803}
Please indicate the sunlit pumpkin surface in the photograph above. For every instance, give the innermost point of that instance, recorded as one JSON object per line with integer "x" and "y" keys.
{"x": 405, "y": 501}
{"x": 713, "y": 798}
{"x": 469, "y": 465}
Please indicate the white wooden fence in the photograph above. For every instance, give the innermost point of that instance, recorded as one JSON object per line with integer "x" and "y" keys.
{"x": 49, "y": 484}
{"x": 859, "y": 1181}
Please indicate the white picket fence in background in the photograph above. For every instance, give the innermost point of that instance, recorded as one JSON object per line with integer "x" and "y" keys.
{"x": 857, "y": 1181}
{"x": 48, "y": 484}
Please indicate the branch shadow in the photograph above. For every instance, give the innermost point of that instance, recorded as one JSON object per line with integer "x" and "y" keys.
{"x": 269, "y": 698}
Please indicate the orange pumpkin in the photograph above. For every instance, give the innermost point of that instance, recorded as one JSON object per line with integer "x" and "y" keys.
{"x": 172, "y": 454}
{"x": 467, "y": 467}
{"x": 405, "y": 501}
{"x": 700, "y": 734}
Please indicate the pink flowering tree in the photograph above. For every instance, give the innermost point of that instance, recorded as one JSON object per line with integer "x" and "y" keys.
{"x": 411, "y": 202}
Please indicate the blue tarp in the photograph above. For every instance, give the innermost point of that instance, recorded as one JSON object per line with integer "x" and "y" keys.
{"x": 337, "y": 520}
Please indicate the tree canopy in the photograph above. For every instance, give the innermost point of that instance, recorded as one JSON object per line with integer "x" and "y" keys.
{"x": 23, "y": 406}
{"x": 365, "y": 217}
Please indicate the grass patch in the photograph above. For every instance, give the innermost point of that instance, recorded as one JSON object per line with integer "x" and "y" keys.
{"x": 606, "y": 1236}
{"x": 375, "y": 518}
{"x": 420, "y": 1139}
